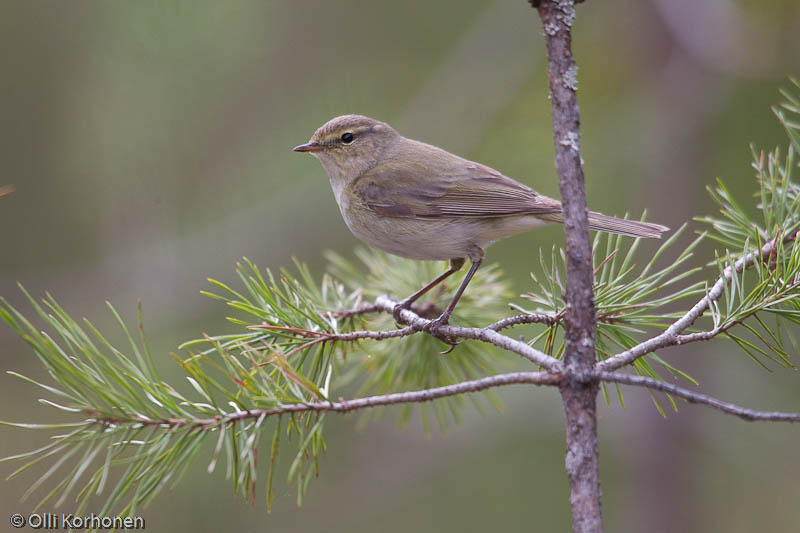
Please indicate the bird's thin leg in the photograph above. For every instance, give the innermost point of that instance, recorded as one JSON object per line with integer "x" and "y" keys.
{"x": 445, "y": 317}
{"x": 455, "y": 266}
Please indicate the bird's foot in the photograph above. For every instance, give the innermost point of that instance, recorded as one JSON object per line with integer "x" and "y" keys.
{"x": 398, "y": 309}
{"x": 434, "y": 328}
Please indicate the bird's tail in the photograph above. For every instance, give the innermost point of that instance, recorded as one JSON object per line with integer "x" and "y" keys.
{"x": 631, "y": 228}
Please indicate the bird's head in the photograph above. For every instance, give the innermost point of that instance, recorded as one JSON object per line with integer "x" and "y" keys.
{"x": 349, "y": 145}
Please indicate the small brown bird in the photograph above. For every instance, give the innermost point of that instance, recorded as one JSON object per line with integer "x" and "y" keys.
{"x": 418, "y": 201}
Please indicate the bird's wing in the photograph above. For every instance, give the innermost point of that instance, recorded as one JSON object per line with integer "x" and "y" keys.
{"x": 468, "y": 190}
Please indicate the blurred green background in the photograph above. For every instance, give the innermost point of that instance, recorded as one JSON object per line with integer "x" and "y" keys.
{"x": 149, "y": 142}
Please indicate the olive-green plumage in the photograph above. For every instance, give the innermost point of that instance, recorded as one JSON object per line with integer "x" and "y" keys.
{"x": 419, "y": 201}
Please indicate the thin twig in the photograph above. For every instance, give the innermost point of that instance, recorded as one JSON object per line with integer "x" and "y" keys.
{"x": 480, "y": 334}
{"x": 696, "y": 397}
{"x": 671, "y": 336}
{"x": 350, "y": 336}
{"x": 362, "y": 310}
{"x": 417, "y": 324}
{"x": 421, "y": 310}
{"x": 705, "y": 335}
{"x": 527, "y": 318}
{"x": 344, "y": 406}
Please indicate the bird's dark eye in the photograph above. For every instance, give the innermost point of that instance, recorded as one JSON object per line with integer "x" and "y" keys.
{"x": 347, "y": 138}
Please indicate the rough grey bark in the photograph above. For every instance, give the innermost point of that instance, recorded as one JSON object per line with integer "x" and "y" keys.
{"x": 578, "y": 389}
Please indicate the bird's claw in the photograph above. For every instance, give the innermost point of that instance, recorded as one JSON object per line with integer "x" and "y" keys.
{"x": 452, "y": 343}
{"x": 397, "y": 310}
{"x": 433, "y": 328}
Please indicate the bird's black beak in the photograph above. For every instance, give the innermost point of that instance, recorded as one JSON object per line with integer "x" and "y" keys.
{"x": 308, "y": 147}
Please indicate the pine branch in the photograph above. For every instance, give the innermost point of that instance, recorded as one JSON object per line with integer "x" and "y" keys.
{"x": 628, "y": 297}
{"x": 486, "y": 334}
{"x": 526, "y": 318}
{"x": 324, "y": 336}
{"x": 280, "y": 364}
{"x": 417, "y": 324}
{"x": 340, "y": 406}
{"x": 672, "y": 337}
{"x": 698, "y": 398}
{"x": 355, "y": 311}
